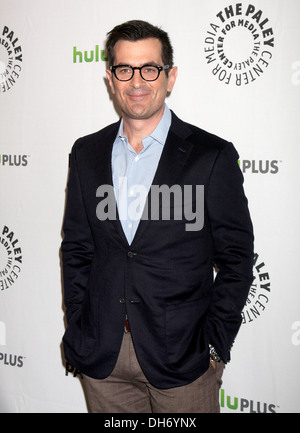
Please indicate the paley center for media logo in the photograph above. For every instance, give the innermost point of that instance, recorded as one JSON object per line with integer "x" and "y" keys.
{"x": 239, "y": 44}
{"x": 259, "y": 293}
{"x": 10, "y": 258}
{"x": 11, "y": 58}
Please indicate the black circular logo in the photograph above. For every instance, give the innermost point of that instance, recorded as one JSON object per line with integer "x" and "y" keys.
{"x": 11, "y": 58}
{"x": 10, "y": 258}
{"x": 259, "y": 293}
{"x": 239, "y": 45}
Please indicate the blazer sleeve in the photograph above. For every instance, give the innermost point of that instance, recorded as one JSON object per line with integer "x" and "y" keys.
{"x": 233, "y": 238}
{"x": 77, "y": 247}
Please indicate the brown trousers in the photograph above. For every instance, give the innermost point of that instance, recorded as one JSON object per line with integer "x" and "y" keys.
{"x": 127, "y": 390}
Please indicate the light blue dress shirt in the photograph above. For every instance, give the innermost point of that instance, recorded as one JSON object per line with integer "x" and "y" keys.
{"x": 133, "y": 172}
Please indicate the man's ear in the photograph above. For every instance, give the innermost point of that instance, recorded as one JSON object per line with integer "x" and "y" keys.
{"x": 172, "y": 78}
{"x": 110, "y": 80}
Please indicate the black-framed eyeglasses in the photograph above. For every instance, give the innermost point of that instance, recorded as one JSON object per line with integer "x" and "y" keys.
{"x": 147, "y": 72}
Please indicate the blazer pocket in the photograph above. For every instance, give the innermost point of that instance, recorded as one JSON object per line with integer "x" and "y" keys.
{"x": 78, "y": 338}
{"x": 185, "y": 338}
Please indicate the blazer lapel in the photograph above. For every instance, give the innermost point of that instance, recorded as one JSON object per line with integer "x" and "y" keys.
{"x": 102, "y": 155}
{"x": 103, "y": 171}
{"x": 174, "y": 156}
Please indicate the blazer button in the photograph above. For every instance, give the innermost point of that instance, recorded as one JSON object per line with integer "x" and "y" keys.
{"x": 122, "y": 300}
{"x": 131, "y": 254}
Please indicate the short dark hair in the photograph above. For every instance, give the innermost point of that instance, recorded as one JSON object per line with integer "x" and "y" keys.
{"x": 137, "y": 30}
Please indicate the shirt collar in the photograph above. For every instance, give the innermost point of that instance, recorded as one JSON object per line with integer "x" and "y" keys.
{"x": 159, "y": 134}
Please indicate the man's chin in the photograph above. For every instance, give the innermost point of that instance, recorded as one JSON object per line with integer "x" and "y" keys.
{"x": 142, "y": 113}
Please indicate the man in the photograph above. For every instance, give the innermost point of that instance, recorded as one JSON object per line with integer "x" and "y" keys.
{"x": 149, "y": 326}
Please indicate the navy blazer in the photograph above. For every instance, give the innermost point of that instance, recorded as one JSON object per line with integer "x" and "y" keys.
{"x": 164, "y": 281}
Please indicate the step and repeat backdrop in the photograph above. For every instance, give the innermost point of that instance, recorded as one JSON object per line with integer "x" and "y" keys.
{"x": 239, "y": 78}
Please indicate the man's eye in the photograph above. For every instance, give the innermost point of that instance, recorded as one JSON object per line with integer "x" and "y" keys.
{"x": 124, "y": 71}
{"x": 149, "y": 70}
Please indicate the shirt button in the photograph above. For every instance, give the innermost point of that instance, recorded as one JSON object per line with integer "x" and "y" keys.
{"x": 122, "y": 300}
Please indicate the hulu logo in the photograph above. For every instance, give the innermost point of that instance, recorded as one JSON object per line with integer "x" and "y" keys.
{"x": 95, "y": 55}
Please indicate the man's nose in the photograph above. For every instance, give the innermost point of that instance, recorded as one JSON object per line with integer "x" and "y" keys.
{"x": 136, "y": 80}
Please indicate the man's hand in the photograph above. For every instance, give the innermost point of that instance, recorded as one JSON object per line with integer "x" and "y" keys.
{"x": 213, "y": 363}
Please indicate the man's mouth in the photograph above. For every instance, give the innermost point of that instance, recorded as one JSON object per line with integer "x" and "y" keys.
{"x": 138, "y": 95}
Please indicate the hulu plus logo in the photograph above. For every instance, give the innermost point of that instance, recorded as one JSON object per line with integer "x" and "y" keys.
{"x": 245, "y": 405}
{"x": 88, "y": 56}
{"x": 2, "y": 334}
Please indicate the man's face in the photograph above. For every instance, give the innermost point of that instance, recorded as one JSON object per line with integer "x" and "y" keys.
{"x": 137, "y": 98}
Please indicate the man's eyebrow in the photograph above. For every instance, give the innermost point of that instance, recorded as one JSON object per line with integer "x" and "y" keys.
{"x": 141, "y": 64}
{"x": 150, "y": 64}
